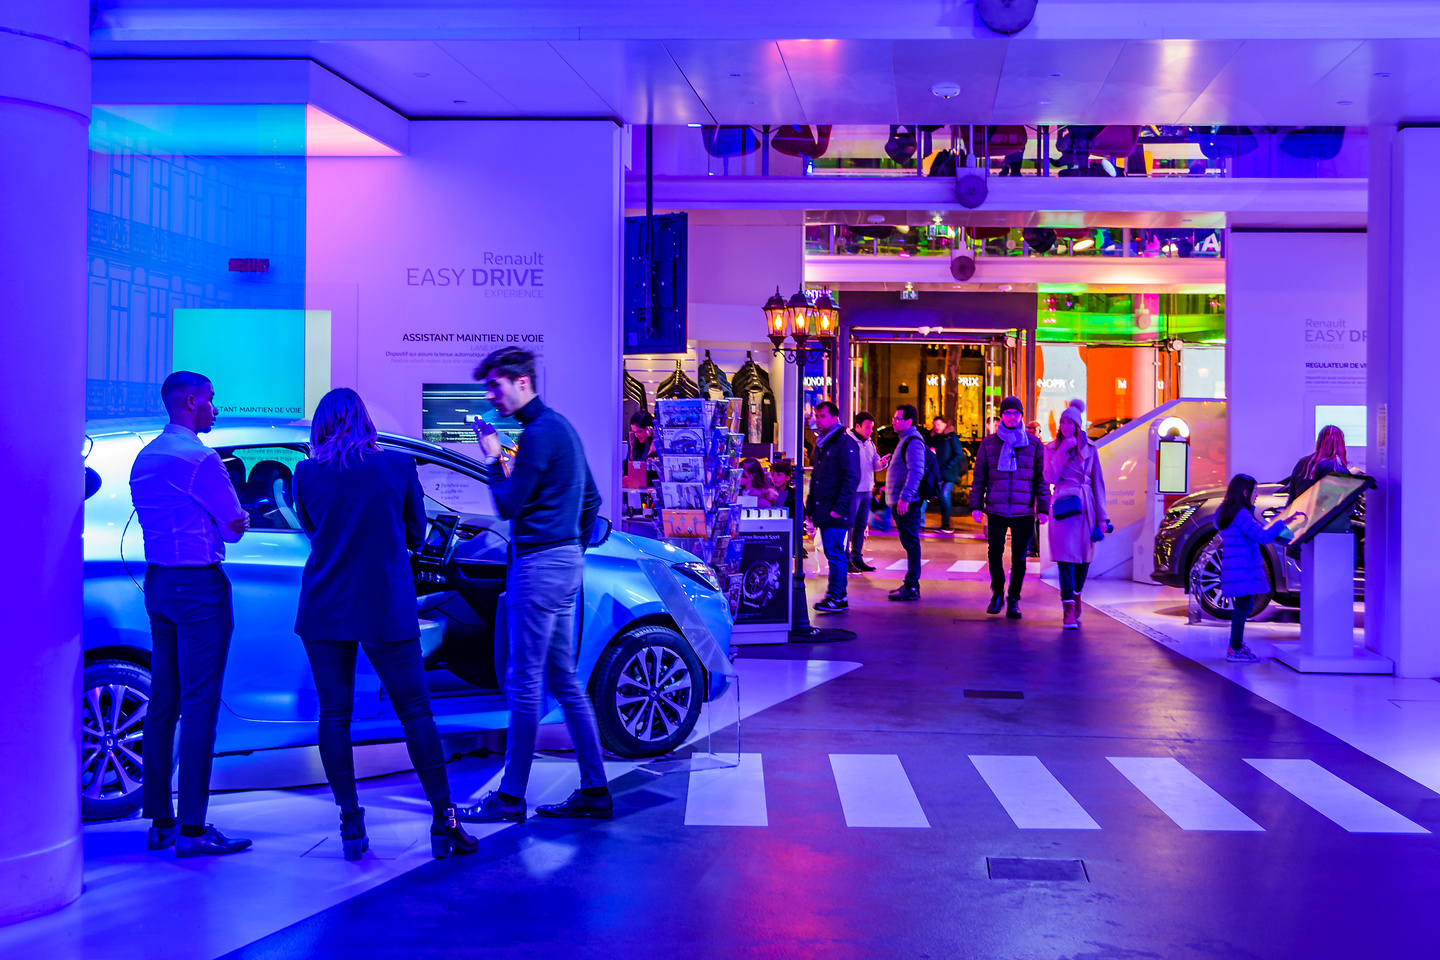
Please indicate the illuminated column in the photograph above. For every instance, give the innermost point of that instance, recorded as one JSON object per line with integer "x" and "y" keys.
{"x": 1401, "y": 522}
{"x": 44, "y": 109}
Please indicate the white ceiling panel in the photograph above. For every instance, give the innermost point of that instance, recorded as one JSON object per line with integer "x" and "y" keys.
{"x": 854, "y": 79}
{"x": 1261, "y": 79}
{"x": 1156, "y": 81}
{"x": 1410, "y": 91}
{"x": 638, "y": 78}
{"x": 1053, "y": 82}
{"x": 415, "y": 77}
{"x": 739, "y": 81}
{"x": 531, "y": 76}
{"x": 973, "y": 64}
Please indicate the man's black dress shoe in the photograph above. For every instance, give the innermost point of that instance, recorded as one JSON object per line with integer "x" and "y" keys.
{"x": 1012, "y": 608}
{"x": 997, "y": 602}
{"x": 159, "y": 838}
{"x": 492, "y": 809}
{"x": 578, "y": 805}
{"x": 211, "y": 843}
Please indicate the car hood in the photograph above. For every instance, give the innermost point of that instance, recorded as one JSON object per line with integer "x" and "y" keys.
{"x": 630, "y": 545}
{"x": 1218, "y": 493}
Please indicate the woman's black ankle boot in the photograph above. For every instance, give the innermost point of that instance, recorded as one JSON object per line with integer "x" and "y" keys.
{"x": 447, "y": 836}
{"x": 352, "y": 833}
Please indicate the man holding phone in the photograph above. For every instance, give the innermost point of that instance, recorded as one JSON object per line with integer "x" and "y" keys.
{"x": 552, "y": 502}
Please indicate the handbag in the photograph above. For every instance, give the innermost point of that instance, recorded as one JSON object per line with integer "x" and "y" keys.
{"x": 1067, "y": 507}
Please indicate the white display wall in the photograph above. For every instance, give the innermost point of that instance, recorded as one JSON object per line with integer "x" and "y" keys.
{"x": 488, "y": 233}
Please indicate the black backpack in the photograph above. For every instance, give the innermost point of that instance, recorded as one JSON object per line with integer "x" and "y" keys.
{"x": 929, "y": 480}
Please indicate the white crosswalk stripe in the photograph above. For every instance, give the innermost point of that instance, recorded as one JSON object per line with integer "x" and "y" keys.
{"x": 900, "y": 565}
{"x": 1345, "y": 804}
{"x": 728, "y": 797}
{"x": 1031, "y": 795}
{"x": 875, "y": 792}
{"x": 1182, "y": 796}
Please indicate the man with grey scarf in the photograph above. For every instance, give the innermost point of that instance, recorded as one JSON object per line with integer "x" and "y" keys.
{"x": 1008, "y": 492}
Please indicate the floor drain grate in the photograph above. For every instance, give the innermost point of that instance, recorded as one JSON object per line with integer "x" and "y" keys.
{"x": 996, "y": 694}
{"x": 1036, "y": 868}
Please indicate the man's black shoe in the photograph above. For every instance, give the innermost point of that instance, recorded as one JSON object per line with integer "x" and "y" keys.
{"x": 996, "y": 603}
{"x": 905, "y": 593}
{"x": 859, "y": 565}
{"x": 1012, "y": 608}
{"x": 578, "y": 805}
{"x": 831, "y": 605}
{"x": 212, "y": 843}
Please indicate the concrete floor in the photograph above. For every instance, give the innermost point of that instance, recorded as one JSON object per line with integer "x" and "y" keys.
{"x": 870, "y": 808}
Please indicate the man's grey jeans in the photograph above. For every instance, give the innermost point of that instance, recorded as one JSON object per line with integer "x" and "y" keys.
{"x": 540, "y": 596}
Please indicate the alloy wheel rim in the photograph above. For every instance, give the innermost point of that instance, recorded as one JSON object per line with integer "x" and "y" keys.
{"x": 112, "y": 721}
{"x": 653, "y": 694}
{"x": 1209, "y": 564}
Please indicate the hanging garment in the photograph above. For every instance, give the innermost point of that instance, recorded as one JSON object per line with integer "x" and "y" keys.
{"x": 634, "y": 392}
{"x": 678, "y": 386}
{"x": 713, "y": 382}
{"x": 757, "y": 414}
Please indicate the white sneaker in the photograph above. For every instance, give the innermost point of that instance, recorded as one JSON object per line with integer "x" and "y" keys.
{"x": 1243, "y": 655}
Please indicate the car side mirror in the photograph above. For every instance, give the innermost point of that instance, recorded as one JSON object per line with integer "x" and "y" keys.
{"x": 600, "y": 532}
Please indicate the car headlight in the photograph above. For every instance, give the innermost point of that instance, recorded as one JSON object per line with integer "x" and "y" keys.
{"x": 1177, "y": 515}
{"x": 700, "y": 573}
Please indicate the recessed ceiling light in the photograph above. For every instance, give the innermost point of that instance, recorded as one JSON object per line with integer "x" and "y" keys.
{"x": 876, "y": 218}
{"x": 1054, "y": 74}
{"x": 422, "y": 74}
{"x": 1344, "y": 103}
{"x": 1042, "y": 102}
{"x": 694, "y": 124}
{"x": 734, "y": 74}
{"x": 1382, "y": 76}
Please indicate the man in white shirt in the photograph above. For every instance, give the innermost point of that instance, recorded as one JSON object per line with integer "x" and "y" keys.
{"x": 870, "y": 461}
{"x": 188, "y": 511}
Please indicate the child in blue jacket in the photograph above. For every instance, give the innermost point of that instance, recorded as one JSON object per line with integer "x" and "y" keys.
{"x": 1242, "y": 568}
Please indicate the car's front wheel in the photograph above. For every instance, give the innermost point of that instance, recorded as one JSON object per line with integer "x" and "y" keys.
{"x": 647, "y": 690}
{"x": 1203, "y": 579}
{"x": 113, "y": 705}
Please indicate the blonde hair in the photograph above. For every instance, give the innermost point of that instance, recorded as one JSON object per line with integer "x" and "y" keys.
{"x": 342, "y": 428}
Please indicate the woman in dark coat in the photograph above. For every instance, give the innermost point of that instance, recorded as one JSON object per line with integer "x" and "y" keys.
{"x": 365, "y": 511}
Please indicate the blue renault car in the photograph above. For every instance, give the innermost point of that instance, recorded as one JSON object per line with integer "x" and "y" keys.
{"x": 653, "y": 625}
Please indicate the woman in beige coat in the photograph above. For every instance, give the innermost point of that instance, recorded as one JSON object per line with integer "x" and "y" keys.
{"x": 1077, "y": 505}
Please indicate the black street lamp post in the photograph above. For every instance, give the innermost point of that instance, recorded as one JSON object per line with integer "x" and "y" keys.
{"x": 811, "y": 328}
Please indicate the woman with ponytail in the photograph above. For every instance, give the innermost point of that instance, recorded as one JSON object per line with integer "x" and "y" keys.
{"x": 1077, "y": 505}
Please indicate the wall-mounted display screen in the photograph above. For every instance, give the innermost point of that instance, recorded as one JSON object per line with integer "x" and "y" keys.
{"x": 1174, "y": 457}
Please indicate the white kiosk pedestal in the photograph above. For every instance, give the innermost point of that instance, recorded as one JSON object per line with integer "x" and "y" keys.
{"x": 1327, "y": 612}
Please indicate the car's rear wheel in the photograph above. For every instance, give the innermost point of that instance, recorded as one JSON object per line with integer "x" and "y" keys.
{"x": 113, "y": 705}
{"x": 1203, "y": 579}
{"x": 647, "y": 689}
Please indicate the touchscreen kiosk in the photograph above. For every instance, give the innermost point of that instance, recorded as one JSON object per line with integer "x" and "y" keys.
{"x": 1331, "y": 498}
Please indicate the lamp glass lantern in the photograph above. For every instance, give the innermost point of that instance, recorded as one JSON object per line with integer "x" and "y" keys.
{"x": 800, "y": 315}
{"x": 827, "y": 316}
{"x": 776, "y": 319}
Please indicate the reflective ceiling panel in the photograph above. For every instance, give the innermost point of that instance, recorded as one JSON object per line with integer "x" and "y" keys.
{"x": 637, "y": 78}
{"x": 843, "y": 78}
{"x": 531, "y": 76}
{"x": 740, "y": 81}
{"x": 1156, "y": 81}
{"x": 973, "y": 64}
{"x": 1053, "y": 82}
{"x": 1245, "y": 90}
{"x": 415, "y": 77}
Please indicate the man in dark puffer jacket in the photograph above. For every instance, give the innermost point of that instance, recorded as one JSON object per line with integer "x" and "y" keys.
{"x": 1009, "y": 489}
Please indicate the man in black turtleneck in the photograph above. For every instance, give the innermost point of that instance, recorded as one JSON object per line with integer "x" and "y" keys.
{"x": 551, "y": 502}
